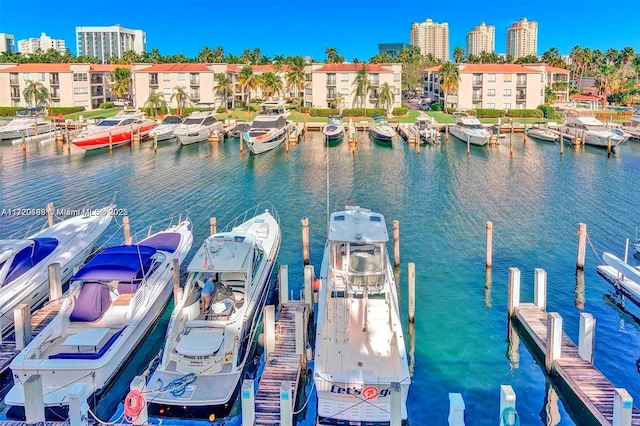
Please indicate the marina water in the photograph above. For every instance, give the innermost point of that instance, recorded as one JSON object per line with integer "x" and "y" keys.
{"x": 442, "y": 198}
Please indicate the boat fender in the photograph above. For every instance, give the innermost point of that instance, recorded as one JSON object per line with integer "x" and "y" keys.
{"x": 133, "y": 405}
{"x": 317, "y": 284}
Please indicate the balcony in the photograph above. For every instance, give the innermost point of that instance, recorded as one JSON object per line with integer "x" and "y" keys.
{"x": 194, "y": 82}
{"x": 476, "y": 98}
{"x": 331, "y": 96}
{"x": 373, "y": 96}
{"x": 15, "y": 95}
{"x": 521, "y": 97}
{"x": 521, "y": 82}
{"x": 331, "y": 82}
{"x": 14, "y": 81}
{"x": 97, "y": 79}
{"x": 55, "y": 95}
{"x": 54, "y": 81}
{"x": 153, "y": 82}
{"x": 476, "y": 82}
{"x": 374, "y": 82}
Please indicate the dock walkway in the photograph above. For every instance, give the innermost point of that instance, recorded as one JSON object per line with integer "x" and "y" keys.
{"x": 283, "y": 364}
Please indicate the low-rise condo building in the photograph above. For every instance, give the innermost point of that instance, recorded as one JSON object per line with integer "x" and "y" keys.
{"x": 500, "y": 86}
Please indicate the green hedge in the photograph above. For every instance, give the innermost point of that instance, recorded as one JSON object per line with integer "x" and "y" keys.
{"x": 106, "y": 105}
{"x": 188, "y": 110}
{"x": 359, "y": 112}
{"x": 304, "y": 110}
{"x": 489, "y": 113}
{"x": 436, "y": 107}
{"x": 67, "y": 110}
{"x": 9, "y": 111}
{"x": 221, "y": 109}
{"x": 525, "y": 113}
{"x": 399, "y": 111}
{"x": 322, "y": 112}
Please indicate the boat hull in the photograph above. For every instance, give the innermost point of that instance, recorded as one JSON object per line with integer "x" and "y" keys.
{"x": 259, "y": 146}
{"x": 113, "y": 138}
{"x": 543, "y": 136}
{"x": 592, "y": 139}
{"x": 333, "y": 133}
{"x": 381, "y": 135}
{"x": 460, "y": 134}
{"x": 17, "y": 133}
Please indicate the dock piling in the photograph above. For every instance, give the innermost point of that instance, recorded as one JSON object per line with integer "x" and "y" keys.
{"x": 508, "y": 412}
{"x": 586, "y": 336}
{"x": 286, "y": 409}
{"x": 582, "y": 240}
{"x": 283, "y": 280}
{"x": 269, "y": 318}
{"x": 110, "y": 141}
{"x": 22, "y": 325}
{"x": 248, "y": 403}
{"x": 554, "y": 339}
{"x": 300, "y": 330}
{"x": 177, "y": 291}
{"x": 78, "y": 407}
{"x": 468, "y": 145}
{"x": 412, "y": 291}
{"x": 54, "y": 277}
{"x": 609, "y": 147}
{"x": 127, "y": 230}
{"x": 305, "y": 240}
{"x": 540, "y": 288}
{"x": 622, "y": 408}
{"x": 309, "y": 275}
{"x": 456, "y": 409}
{"x": 213, "y": 225}
{"x": 396, "y": 404}
{"x": 155, "y": 143}
{"x": 489, "y": 244}
{"x": 24, "y": 145}
{"x": 396, "y": 243}
{"x": 50, "y": 214}
{"x": 561, "y": 144}
{"x": 34, "y": 399}
{"x": 513, "y": 291}
{"x": 511, "y": 142}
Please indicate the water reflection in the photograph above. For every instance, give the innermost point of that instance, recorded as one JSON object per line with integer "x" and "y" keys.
{"x": 412, "y": 348}
{"x": 513, "y": 343}
{"x": 550, "y": 413}
{"x": 487, "y": 288}
{"x": 579, "y": 290}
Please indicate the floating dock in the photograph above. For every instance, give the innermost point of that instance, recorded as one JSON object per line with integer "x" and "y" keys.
{"x": 295, "y": 131}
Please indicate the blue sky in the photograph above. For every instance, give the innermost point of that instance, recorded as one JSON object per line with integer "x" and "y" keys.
{"x": 355, "y": 28}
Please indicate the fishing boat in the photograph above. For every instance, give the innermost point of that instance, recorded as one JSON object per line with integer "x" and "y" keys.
{"x": 165, "y": 128}
{"x": 269, "y": 129}
{"x": 381, "y": 130}
{"x": 583, "y": 123}
{"x": 426, "y": 132}
{"x": 469, "y": 129}
{"x": 334, "y": 129}
{"x": 198, "y": 127}
{"x": 112, "y": 303}
{"x": 114, "y": 131}
{"x": 359, "y": 351}
{"x": 213, "y": 325}
{"x": 540, "y": 130}
{"x": 27, "y": 122}
{"x": 24, "y": 262}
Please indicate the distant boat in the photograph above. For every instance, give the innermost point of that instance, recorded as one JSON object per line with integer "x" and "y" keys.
{"x": 334, "y": 129}
{"x": 114, "y": 131}
{"x": 633, "y": 128}
{"x": 165, "y": 129}
{"x": 469, "y": 129}
{"x": 25, "y": 124}
{"x": 239, "y": 128}
{"x": 112, "y": 303}
{"x": 540, "y": 130}
{"x": 269, "y": 128}
{"x": 381, "y": 130}
{"x": 581, "y": 121}
{"x": 197, "y": 127}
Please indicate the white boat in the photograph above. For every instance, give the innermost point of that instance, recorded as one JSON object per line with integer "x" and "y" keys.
{"x": 381, "y": 130}
{"x": 269, "y": 128}
{"x": 540, "y": 130}
{"x": 112, "y": 303}
{"x": 165, "y": 128}
{"x": 469, "y": 129}
{"x": 24, "y": 262}
{"x": 113, "y": 131}
{"x": 209, "y": 341}
{"x": 334, "y": 129}
{"x": 633, "y": 128}
{"x": 197, "y": 127}
{"x": 360, "y": 349}
{"x": 27, "y": 122}
{"x": 579, "y": 122}
{"x": 427, "y": 133}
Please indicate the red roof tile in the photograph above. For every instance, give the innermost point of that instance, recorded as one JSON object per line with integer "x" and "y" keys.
{"x": 432, "y": 69}
{"x": 496, "y": 68}
{"x": 585, "y": 97}
{"x": 556, "y": 70}
{"x": 233, "y": 68}
{"x": 176, "y": 68}
{"x": 39, "y": 68}
{"x": 352, "y": 67}
{"x": 108, "y": 67}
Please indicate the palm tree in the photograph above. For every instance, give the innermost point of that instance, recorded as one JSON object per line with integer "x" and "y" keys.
{"x": 295, "y": 75}
{"x": 181, "y": 96}
{"x": 36, "y": 91}
{"x": 205, "y": 55}
{"x": 224, "y": 86}
{"x": 607, "y": 81}
{"x": 155, "y": 101}
{"x": 248, "y": 81}
{"x": 337, "y": 102}
{"x": 386, "y": 96}
{"x": 332, "y": 56}
{"x": 362, "y": 87}
{"x": 449, "y": 80}
{"x": 458, "y": 54}
{"x": 120, "y": 81}
{"x": 271, "y": 84}
{"x": 130, "y": 57}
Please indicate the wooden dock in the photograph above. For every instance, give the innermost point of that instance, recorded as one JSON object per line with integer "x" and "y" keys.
{"x": 295, "y": 131}
{"x": 588, "y": 385}
{"x": 39, "y": 321}
{"x": 283, "y": 364}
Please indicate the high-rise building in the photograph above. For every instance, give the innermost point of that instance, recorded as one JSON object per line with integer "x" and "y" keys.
{"x": 6, "y": 43}
{"x": 522, "y": 39}
{"x": 392, "y": 49}
{"x": 44, "y": 42}
{"x": 481, "y": 39}
{"x": 432, "y": 38}
{"x": 109, "y": 42}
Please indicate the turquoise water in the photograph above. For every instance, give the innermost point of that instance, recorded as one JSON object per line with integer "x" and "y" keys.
{"x": 442, "y": 199}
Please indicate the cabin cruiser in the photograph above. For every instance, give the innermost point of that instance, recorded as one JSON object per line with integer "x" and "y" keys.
{"x": 426, "y": 131}
{"x": 27, "y": 122}
{"x": 381, "y": 130}
{"x": 633, "y": 128}
{"x": 360, "y": 352}
{"x": 112, "y": 303}
{"x": 197, "y": 127}
{"x": 334, "y": 129}
{"x": 582, "y": 122}
{"x": 165, "y": 128}
{"x": 469, "y": 129}
{"x": 540, "y": 130}
{"x": 269, "y": 128}
{"x": 114, "y": 131}
{"x": 213, "y": 325}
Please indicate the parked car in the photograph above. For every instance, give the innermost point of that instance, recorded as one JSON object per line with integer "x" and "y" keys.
{"x": 122, "y": 102}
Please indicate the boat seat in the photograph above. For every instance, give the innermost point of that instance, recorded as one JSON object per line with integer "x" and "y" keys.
{"x": 200, "y": 342}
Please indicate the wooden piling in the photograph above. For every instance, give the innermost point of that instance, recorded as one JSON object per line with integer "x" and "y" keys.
{"x": 127, "y": 230}
{"x": 586, "y": 336}
{"x": 269, "y": 319}
{"x": 22, "y": 325}
{"x": 540, "y": 288}
{"x": 446, "y": 131}
{"x": 489, "y": 245}
{"x": 24, "y": 145}
{"x": 582, "y": 241}
{"x": 468, "y": 145}
{"x": 622, "y": 408}
{"x": 396, "y": 404}
{"x": 396, "y": 243}
{"x": 300, "y": 330}
{"x": 155, "y": 143}
{"x": 554, "y": 339}
{"x": 561, "y": 144}
{"x": 511, "y": 142}
{"x": 176, "y": 281}
{"x": 283, "y": 280}
{"x": 110, "y": 141}
{"x": 513, "y": 291}
{"x": 50, "y": 214}
{"x": 305, "y": 240}
{"x": 584, "y": 138}
{"x": 213, "y": 226}
{"x": 412, "y": 291}
{"x": 54, "y": 277}
{"x": 248, "y": 403}
{"x": 609, "y": 147}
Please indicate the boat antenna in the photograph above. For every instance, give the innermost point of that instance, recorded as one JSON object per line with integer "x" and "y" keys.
{"x": 328, "y": 217}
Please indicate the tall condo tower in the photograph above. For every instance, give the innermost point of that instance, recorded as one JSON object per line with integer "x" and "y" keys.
{"x": 432, "y": 38}
{"x": 481, "y": 39}
{"x": 522, "y": 39}
{"x": 113, "y": 41}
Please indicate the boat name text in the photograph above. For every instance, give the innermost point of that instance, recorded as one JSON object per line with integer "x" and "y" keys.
{"x": 368, "y": 392}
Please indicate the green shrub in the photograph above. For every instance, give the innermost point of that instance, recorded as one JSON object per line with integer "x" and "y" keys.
{"x": 9, "y": 111}
{"x": 436, "y": 107}
{"x": 322, "y": 112}
{"x": 106, "y": 105}
{"x": 67, "y": 110}
{"x": 359, "y": 112}
{"x": 304, "y": 110}
{"x": 489, "y": 113}
{"x": 522, "y": 113}
{"x": 399, "y": 111}
{"x": 221, "y": 109}
{"x": 450, "y": 110}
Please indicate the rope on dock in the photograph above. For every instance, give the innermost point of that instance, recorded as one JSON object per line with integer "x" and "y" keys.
{"x": 507, "y": 414}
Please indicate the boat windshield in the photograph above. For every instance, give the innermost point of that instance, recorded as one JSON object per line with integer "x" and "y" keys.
{"x": 596, "y": 128}
{"x": 474, "y": 126}
{"x": 193, "y": 121}
{"x": 108, "y": 123}
{"x": 172, "y": 120}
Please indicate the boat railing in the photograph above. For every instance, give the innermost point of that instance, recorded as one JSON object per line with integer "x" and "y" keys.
{"x": 252, "y": 212}
{"x": 166, "y": 223}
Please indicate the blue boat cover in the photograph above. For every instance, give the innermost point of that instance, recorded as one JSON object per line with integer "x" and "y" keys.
{"x": 93, "y": 301}
{"x": 165, "y": 241}
{"x": 30, "y": 256}
{"x": 121, "y": 263}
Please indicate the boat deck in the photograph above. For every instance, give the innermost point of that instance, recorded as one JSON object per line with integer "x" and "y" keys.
{"x": 283, "y": 364}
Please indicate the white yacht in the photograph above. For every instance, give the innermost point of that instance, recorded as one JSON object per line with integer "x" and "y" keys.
{"x": 633, "y": 127}
{"x": 165, "y": 128}
{"x": 381, "y": 130}
{"x": 27, "y": 122}
{"x": 209, "y": 339}
{"x": 360, "y": 349}
{"x": 469, "y": 129}
{"x": 425, "y": 130}
{"x": 540, "y": 130}
{"x": 269, "y": 128}
{"x": 112, "y": 303}
{"x": 197, "y": 127}
{"x": 578, "y": 122}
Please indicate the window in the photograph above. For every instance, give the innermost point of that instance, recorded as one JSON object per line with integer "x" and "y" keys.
{"x": 195, "y": 93}
{"x": 506, "y": 105}
{"x": 344, "y": 92}
{"x": 344, "y": 77}
{"x": 41, "y": 76}
{"x": 491, "y": 92}
{"x": 26, "y": 76}
{"x": 166, "y": 76}
{"x": 396, "y": 77}
{"x": 308, "y": 91}
{"x": 166, "y": 92}
{"x": 506, "y": 78}
{"x": 491, "y": 78}
{"x": 307, "y": 78}
{"x": 80, "y": 76}
{"x": 13, "y": 78}
{"x": 331, "y": 79}
{"x": 308, "y": 104}
{"x": 507, "y": 92}
{"x": 80, "y": 90}
{"x": 81, "y": 103}
{"x": 491, "y": 105}
{"x": 181, "y": 76}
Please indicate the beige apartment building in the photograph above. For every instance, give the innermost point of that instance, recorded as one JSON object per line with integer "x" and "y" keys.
{"x": 499, "y": 86}
{"x": 326, "y": 84}
{"x": 432, "y": 38}
{"x": 522, "y": 39}
{"x": 44, "y": 42}
{"x": 85, "y": 85}
{"x": 481, "y": 38}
